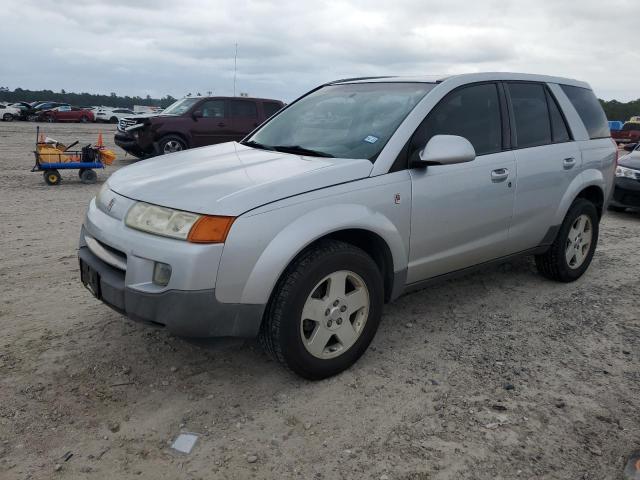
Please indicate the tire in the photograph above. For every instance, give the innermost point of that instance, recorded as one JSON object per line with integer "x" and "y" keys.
{"x": 50, "y": 119}
{"x": 52, "y": 177}
{"x": 84, "y": 119}
{"x": 615, "y": 208}
{"x": 7, "y": 117}
{"x": 171, "y": 144}
{"x": 569, "y": 257}
{"x": 289, "y": 338}
{"x": 88, "y": 176}
{"x": 113, "y": 120}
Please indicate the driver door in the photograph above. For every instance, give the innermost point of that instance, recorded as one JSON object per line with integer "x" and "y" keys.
{"x": 461, "y": 213}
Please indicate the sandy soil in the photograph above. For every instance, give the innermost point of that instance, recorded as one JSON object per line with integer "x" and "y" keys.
{"x": 497, "y": 375}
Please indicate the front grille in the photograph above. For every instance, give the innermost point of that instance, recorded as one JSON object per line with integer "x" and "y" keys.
{"x": 124, "y": 123}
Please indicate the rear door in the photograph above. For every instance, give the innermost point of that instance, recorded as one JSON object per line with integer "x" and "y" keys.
{"x": 460, "y": 214}
{"x": 547, "y": 160}
{"x": 244, "y": 117}
{"x": 214, "y": 125}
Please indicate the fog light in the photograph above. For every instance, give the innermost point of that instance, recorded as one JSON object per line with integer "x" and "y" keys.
{"x": 161, "y": 274}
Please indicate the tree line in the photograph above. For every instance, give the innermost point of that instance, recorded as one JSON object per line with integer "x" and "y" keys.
{"x": 82, "y": 99}
{"x": 616, "y": 110}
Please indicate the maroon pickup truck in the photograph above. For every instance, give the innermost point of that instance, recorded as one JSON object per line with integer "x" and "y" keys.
{"x": 193, "y": 122}
{"x": 630, "y": 133}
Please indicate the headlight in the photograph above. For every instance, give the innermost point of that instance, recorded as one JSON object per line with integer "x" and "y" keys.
{"x": 627, "y": 172}
{"x": 178, "y": 224}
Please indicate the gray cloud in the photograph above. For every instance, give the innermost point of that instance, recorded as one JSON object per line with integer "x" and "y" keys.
{"x": 286, "y": 47}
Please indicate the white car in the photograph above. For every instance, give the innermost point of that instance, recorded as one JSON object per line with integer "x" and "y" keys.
{"x": 9, "y": 113}
{"x": 112, "y": 115}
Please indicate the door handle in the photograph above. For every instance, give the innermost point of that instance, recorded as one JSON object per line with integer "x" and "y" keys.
{"x": 499, "y": 175}
{"x": 221, "y": 124}
{"x": 568, "y": 163}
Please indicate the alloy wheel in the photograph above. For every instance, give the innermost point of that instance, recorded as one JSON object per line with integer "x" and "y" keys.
{"x": 172, "y": 146}
{"x": 334, "y": 314}
{"x": 578, "y": 241}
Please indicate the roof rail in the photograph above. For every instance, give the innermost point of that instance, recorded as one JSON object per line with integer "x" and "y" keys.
{"x": 342, "y": 80}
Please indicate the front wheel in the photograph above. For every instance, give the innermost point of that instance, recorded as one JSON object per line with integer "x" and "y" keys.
{"x": 88, "y": 176}
{"x": 324, "y": 311}
{"x": 572, "y": 251}
{"x": 52, "y": 177}
{"x": 7, "y": 117}
{"x": 84, "y": 119}
{"x": 171, "y": 144}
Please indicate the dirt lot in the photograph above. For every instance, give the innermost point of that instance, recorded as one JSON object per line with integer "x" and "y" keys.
{"x": 497, "y": 375}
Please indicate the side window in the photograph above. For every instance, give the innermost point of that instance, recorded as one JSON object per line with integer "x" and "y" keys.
{"x": 531, "y": 114}
{"x": 589, "y": 109}
{"x": 270, "y": 108}
{"x": 213, "y": 109}
{"x": 243, "y": 109}
{"x": 559, "y": 130}
{"x": 471, "y": 112}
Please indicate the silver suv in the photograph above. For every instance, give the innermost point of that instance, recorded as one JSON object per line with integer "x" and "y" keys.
{"x": 351, "y": 195}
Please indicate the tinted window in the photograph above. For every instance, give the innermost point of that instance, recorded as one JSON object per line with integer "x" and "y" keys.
{"x": 589, "y": 109}
{"x": 559, "y": 130}
{"x": 270, "y": 108}
{"x": 470, "y": 112}
{"x": 213, "y": 109}
{"x": 631, "y": 126}
{"x": 243, "y": 108}
{"x": 531, "y": 115}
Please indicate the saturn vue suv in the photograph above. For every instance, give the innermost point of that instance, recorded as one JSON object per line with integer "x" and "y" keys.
{"x": 358, "y": 191}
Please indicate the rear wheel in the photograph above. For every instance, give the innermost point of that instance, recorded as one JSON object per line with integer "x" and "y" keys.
{"x": 171, "y": 144}
{"x": 325, "y": 310}
{"x": 113, "y": 120}
{"x": 52, "y": 177}
{"x": 572, "y": 251}
{"x": 88, "y": 176}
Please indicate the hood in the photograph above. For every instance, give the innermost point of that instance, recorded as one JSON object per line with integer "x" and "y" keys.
{"x": 631, "y": 160}
{"x": 230, "y": 179}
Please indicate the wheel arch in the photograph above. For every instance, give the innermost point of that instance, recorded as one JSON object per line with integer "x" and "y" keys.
{"x": 357, "y": 225}
{"x": 590, "y": 185}
{"x": 182, "y": 136}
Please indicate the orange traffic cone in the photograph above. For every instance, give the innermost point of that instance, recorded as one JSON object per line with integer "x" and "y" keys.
{"x": 100, "y": 143}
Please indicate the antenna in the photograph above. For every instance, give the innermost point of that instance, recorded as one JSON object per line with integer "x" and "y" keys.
{"x": 235, "y": 69}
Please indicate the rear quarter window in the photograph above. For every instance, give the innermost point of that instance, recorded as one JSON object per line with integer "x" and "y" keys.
{"x": 589, "y": 109}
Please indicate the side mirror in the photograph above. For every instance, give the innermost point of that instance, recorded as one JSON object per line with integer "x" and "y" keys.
{"x": 197, "y": 114}
{"x": 446, "y": 150}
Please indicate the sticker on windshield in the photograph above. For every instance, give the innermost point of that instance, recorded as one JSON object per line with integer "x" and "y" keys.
{"x": 371, "y": 139}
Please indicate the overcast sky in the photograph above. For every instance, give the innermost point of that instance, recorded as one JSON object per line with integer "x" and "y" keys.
{"x": 286, "y": 47}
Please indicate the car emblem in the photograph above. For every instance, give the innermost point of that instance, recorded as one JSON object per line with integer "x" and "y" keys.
{"x": 111, "y": 204}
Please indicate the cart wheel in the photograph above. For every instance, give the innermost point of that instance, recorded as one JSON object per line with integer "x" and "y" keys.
{"x": 52, "y": 177}
{"x": 88, "y": 176}
{"x": 80, "y": 172}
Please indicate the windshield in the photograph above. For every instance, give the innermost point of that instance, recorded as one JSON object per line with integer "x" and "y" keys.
{"x": 180, "y": 107}
{"x": 347, "y": 121}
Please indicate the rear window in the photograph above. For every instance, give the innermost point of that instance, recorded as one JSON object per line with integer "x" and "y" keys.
{"x": 243, "y": 108}
{"x": 589, "y": 109}
{"x": 270, "y": 108}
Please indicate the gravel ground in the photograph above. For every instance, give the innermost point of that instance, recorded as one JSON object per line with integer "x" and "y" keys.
{"x": 496, "y": 375}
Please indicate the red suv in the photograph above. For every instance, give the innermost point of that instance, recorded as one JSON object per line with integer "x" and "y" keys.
{"x": 66, "y": 113}
{"x": 193, "y": 122}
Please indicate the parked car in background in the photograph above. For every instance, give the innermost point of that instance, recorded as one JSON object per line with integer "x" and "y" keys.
{"x": 359, "y": 191}
{"x": 629, "y": 133}
{"x": 193, "y": 122}
{"x": 112, "y": 115}
{"x": 66, "y": 113}
{"x": 626, "y": 192}
{"x": 9, "y": 113}
{"x": 38, "y": 107}
{"x": 23, "y": 107}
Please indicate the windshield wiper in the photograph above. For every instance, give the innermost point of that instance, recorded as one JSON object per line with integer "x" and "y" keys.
{"x": 254, "y": 144}
{"x": 301, "y": 151}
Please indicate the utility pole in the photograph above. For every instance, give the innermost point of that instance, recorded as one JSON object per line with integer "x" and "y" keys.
{"x": 235, "y": 69}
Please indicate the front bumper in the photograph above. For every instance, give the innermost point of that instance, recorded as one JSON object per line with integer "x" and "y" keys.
{"x": 131, "y": 144}
{"x": 123, "y": 259}
{"x": 626, "y": 193}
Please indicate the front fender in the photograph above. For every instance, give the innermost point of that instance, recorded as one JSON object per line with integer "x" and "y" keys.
{"x": 254, "y": 259}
